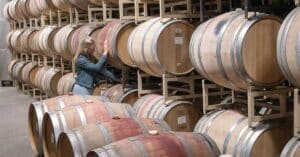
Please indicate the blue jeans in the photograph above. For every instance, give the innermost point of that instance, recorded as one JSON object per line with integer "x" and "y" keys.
{"x": 80, "y": 90}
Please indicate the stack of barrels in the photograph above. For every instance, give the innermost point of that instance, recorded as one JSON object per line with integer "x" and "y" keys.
{"x": 230, "y": 50}
{"x": 78, "y": 125}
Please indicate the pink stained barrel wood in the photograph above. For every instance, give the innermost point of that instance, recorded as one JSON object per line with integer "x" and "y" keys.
{"x": 62, "y": 42}
{"x": 168, "y": 144}
{"x": 81, "y": 33}
{"x": 237, "y": 53}
{"x": 230, "y": 130}
{"x": 288, "y": 47}
{"x": 46, "y": 40}
{"x": 28, "y": 70}
{"x": 77, "y": 116}
{"x": 36, "y": 112}
{"x": 292, "y": 148}
{"x": 97, "y": 135}
{"x": 50, "y": 81}
{"x": 118, "y": 94}
{"x": 160, "y": 46}
{"x": 65, "y": 84}
{"x": 10, "y": 67}
{"x": 117, "y": 33}
{"x": 101, "y": 88}
{"x": 180, "y": 115}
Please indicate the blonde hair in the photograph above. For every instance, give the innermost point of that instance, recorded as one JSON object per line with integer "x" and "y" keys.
{"x": 83, "y": 48}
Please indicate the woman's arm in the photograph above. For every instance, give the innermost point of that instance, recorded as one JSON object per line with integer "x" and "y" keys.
{"x": 85, "y": 63}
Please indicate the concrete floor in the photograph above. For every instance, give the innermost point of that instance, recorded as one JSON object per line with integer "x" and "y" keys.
{"x": 13, "y": 123}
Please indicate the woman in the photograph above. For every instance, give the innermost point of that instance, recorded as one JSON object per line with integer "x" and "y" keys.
{"x": 87, "y": 71}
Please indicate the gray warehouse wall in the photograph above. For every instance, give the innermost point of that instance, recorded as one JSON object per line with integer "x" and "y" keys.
{"x": 5, "y": 54}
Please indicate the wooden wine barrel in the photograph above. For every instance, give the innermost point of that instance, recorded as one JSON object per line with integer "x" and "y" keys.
{"x": 21, "y": 6}
{"x": 235, "y": 52}
{"x": 8, "y": 40}
{"x": 63, "y": 5}
{"x": 288, "y": 47}
{"x": 65, "y": 84}
{"x": 38, "y": 81}
{"x": 17, "y": 70}
{"x": 292, "y": 148}
{"x": 45, "y": 6}
{"x": 36, "y": 112}
{"x": 160, "y": 46}
{"x": 5, "y": 11}
{"x": 14, "y": 12}
{"x": 97, "y": 135}
{"x": 83, "y": 4}
{"x": 117, "y": 94}
{"x": 33, "y": 41}
{"x": 81, "y": 33}
{"x": 168, "y": 144}
{"x": 10, "y": 67}
{"x": 25, "y": 40}
{"x": 116, "y": 33}
{"x": 27, "y": 71}
{"x": 14, "y": 39}
{"x": 77, "y": 116}
{"x": 180, "y": 115}
{"x": 229, "y": 129}
{"x": 62, "y": 41}
{"x": 50, "y": 81}
{"x": 101, "y": 88}
{"x": 33, "y": 8}
{"x": 46, "y": 40}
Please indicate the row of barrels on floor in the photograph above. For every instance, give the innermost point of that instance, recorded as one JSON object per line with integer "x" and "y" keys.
{"x": 74, "y": 126}
{"x": 229, "y": 50}
{"x": 18, "y": 10}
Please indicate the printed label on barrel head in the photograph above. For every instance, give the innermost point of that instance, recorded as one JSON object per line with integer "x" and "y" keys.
{"x": 181, "y": 120}
{"x": 178, "y": 40}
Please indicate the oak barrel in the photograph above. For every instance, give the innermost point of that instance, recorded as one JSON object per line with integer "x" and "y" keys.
{"x": 62, "y": 5}
{"x": 17, "y": 70}
{"x": 168, "y": 144}
{"x": 160, "y": 46}
{"x": 5, "y": 11}
{"x": 118, "y": 94}
{"x": 62, "y": 41}
{"x": 80, "y": 141}
{"x": 180, "y": 115}
{"x": 288, "y": 47}
{"x": 230, "y": 130}
{"x": 32, "y": 41}
{"x": 14, "y": 39}
{"x": 83, "y": 4}
{"x": 116, "y": 33}
{"x": 28, "y": 71}
{"x": 292, "y": 148}
{"x": 235, "y": 52}
{"x": 38, "y": 80}
{"x": 50, "y": 81}
{"x": 26, "y": 40}
{"x": 46, "y": 40}
{"x": 36, "y": 112}
{"x": 10, "y": 67}
{"x": 77, "y": 116}
{"x": 65, "y": 84}
{"x": 81, "y": 33}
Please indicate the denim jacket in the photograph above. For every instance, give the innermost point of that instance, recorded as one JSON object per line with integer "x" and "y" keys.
{"x": 89, "y": 73}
